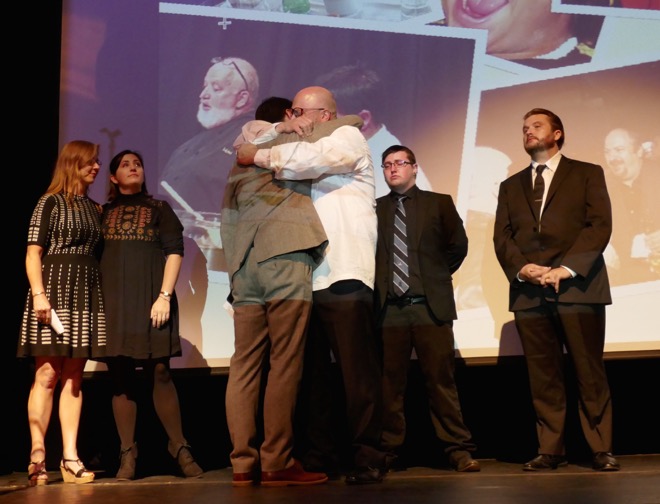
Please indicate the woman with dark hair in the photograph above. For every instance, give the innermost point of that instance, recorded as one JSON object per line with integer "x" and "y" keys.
{"x": 140, "y": 265}
{"x": 63, "y": 322}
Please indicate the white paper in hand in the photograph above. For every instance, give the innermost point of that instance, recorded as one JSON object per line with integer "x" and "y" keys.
{"x": 55, "y": 323}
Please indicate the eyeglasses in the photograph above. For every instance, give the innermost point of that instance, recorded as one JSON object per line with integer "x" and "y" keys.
{"x": 299, "y": 111}
{"x": 399, "y": 163}
{"x": 233, "y": 64}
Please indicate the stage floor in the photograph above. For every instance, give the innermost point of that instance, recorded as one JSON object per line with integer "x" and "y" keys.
{"x": 638, "y": 482}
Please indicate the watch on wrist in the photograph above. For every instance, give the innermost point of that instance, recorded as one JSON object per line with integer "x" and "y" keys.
{"x": 166, "y": 294}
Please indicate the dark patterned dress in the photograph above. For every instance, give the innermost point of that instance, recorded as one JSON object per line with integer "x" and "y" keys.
{"x": 70, "y": 236}
{"x": 139, "y": 232}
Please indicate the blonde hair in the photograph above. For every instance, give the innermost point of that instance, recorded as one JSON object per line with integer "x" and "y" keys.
{"x": 66, "y": 174}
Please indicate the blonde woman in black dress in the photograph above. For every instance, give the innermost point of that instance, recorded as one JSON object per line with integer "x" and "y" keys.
{"x": 140, "y": 265}
{"x": 63, "y": 272}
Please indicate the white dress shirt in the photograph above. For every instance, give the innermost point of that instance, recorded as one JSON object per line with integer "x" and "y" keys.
{"x": 343, "y": 194}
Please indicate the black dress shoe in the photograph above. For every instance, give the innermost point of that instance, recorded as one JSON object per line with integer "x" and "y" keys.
{"x": 397, "y": 465}
{"x": 332, "y": 472}
{"x": 393, "y": 463}
{"x": 604, "y": 461}
{"x": 543, "y": 461}
{"x": 365, "y": 476}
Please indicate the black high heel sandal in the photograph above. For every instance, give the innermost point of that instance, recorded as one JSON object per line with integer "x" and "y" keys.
{"x": 80, "y": 477}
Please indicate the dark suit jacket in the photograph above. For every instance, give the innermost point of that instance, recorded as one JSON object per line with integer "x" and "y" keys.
{"x": 198, "y": 169}
{"x": 575, "y": 228}
{"x": 277, "y": 216}
{"x": 437, "y": 235}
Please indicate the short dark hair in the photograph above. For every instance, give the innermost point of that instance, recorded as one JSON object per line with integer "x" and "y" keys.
{"x": 273, "y": 109}
{"x": 399, "y": 148}
{"x": 555, "y": 122}
{"x": 355, "y": 88}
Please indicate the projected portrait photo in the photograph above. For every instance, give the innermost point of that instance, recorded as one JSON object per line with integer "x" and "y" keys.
{"x": 624, "y": 4}
{"x": 379, "y": 10}
{"x": 599, "y": 128}
{"x": 209, "y": 92}
{"x": 527, "y": 33}
{"x": 178, "y": 80}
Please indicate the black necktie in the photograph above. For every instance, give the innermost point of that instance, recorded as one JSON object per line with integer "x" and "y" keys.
{"x": 539, "y": 188}
{"x": 400, "y": 273}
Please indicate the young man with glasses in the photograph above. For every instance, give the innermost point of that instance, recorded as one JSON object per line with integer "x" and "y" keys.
{"x": 420, "y": 246}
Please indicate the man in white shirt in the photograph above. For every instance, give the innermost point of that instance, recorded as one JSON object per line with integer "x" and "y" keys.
{"x": 342, "y": 175}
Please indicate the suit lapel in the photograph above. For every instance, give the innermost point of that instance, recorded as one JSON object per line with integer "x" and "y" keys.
{"x": 414, "y": 226}
{"x": 563, "y": 170}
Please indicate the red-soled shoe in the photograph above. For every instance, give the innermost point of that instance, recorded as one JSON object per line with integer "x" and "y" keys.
{"x": 292, "y": 476}
{"x": 243, "y": 479}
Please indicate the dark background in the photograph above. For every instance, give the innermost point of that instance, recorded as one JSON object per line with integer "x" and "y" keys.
{"x": 495, "y": 396}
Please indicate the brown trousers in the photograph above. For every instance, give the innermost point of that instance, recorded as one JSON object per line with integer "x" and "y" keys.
{"x": 272, "y": 306}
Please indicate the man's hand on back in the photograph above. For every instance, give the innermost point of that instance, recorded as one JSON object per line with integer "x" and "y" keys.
{"x": 245, "y": 153}
{"x": 301, "y": 125}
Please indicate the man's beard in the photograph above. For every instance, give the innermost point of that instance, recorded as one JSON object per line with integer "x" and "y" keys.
{"x": 212, "y": 118}
{"x": 539, "y": 146}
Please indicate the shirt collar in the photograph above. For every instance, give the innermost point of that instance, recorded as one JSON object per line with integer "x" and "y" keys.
{"x": 551, "y": 164}
{"x": 410, "y": 193}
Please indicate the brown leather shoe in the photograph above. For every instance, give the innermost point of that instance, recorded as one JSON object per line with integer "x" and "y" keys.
{"x": 605, "y": 461}
{"x": 243, "y": 479}
{"x": 292, "y": 476}
{"x": 462, "y": 461}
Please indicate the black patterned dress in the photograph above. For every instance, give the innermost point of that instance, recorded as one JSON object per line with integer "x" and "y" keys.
{"x": 70, "y": 235}
{"x": 139, "y": 232}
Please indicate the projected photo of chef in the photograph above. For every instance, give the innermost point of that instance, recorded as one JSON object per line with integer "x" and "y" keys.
{"x": 211, "y": 84}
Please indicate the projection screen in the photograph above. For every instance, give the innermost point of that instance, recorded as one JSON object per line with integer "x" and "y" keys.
{"x": 132, "y": 74}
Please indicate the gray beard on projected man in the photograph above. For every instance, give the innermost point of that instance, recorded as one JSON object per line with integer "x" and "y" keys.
{"x": 212, "y": 117}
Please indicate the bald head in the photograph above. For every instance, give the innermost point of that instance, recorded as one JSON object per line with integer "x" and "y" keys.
{"x": 317, "y": 102}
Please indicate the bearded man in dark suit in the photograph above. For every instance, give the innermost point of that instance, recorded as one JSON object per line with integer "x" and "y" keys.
{"x": 552, "y": 225}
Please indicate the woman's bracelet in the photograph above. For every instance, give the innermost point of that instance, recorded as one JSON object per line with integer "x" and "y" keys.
{"x": 163, "y": 296}
{"x": 38, "y": 294}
